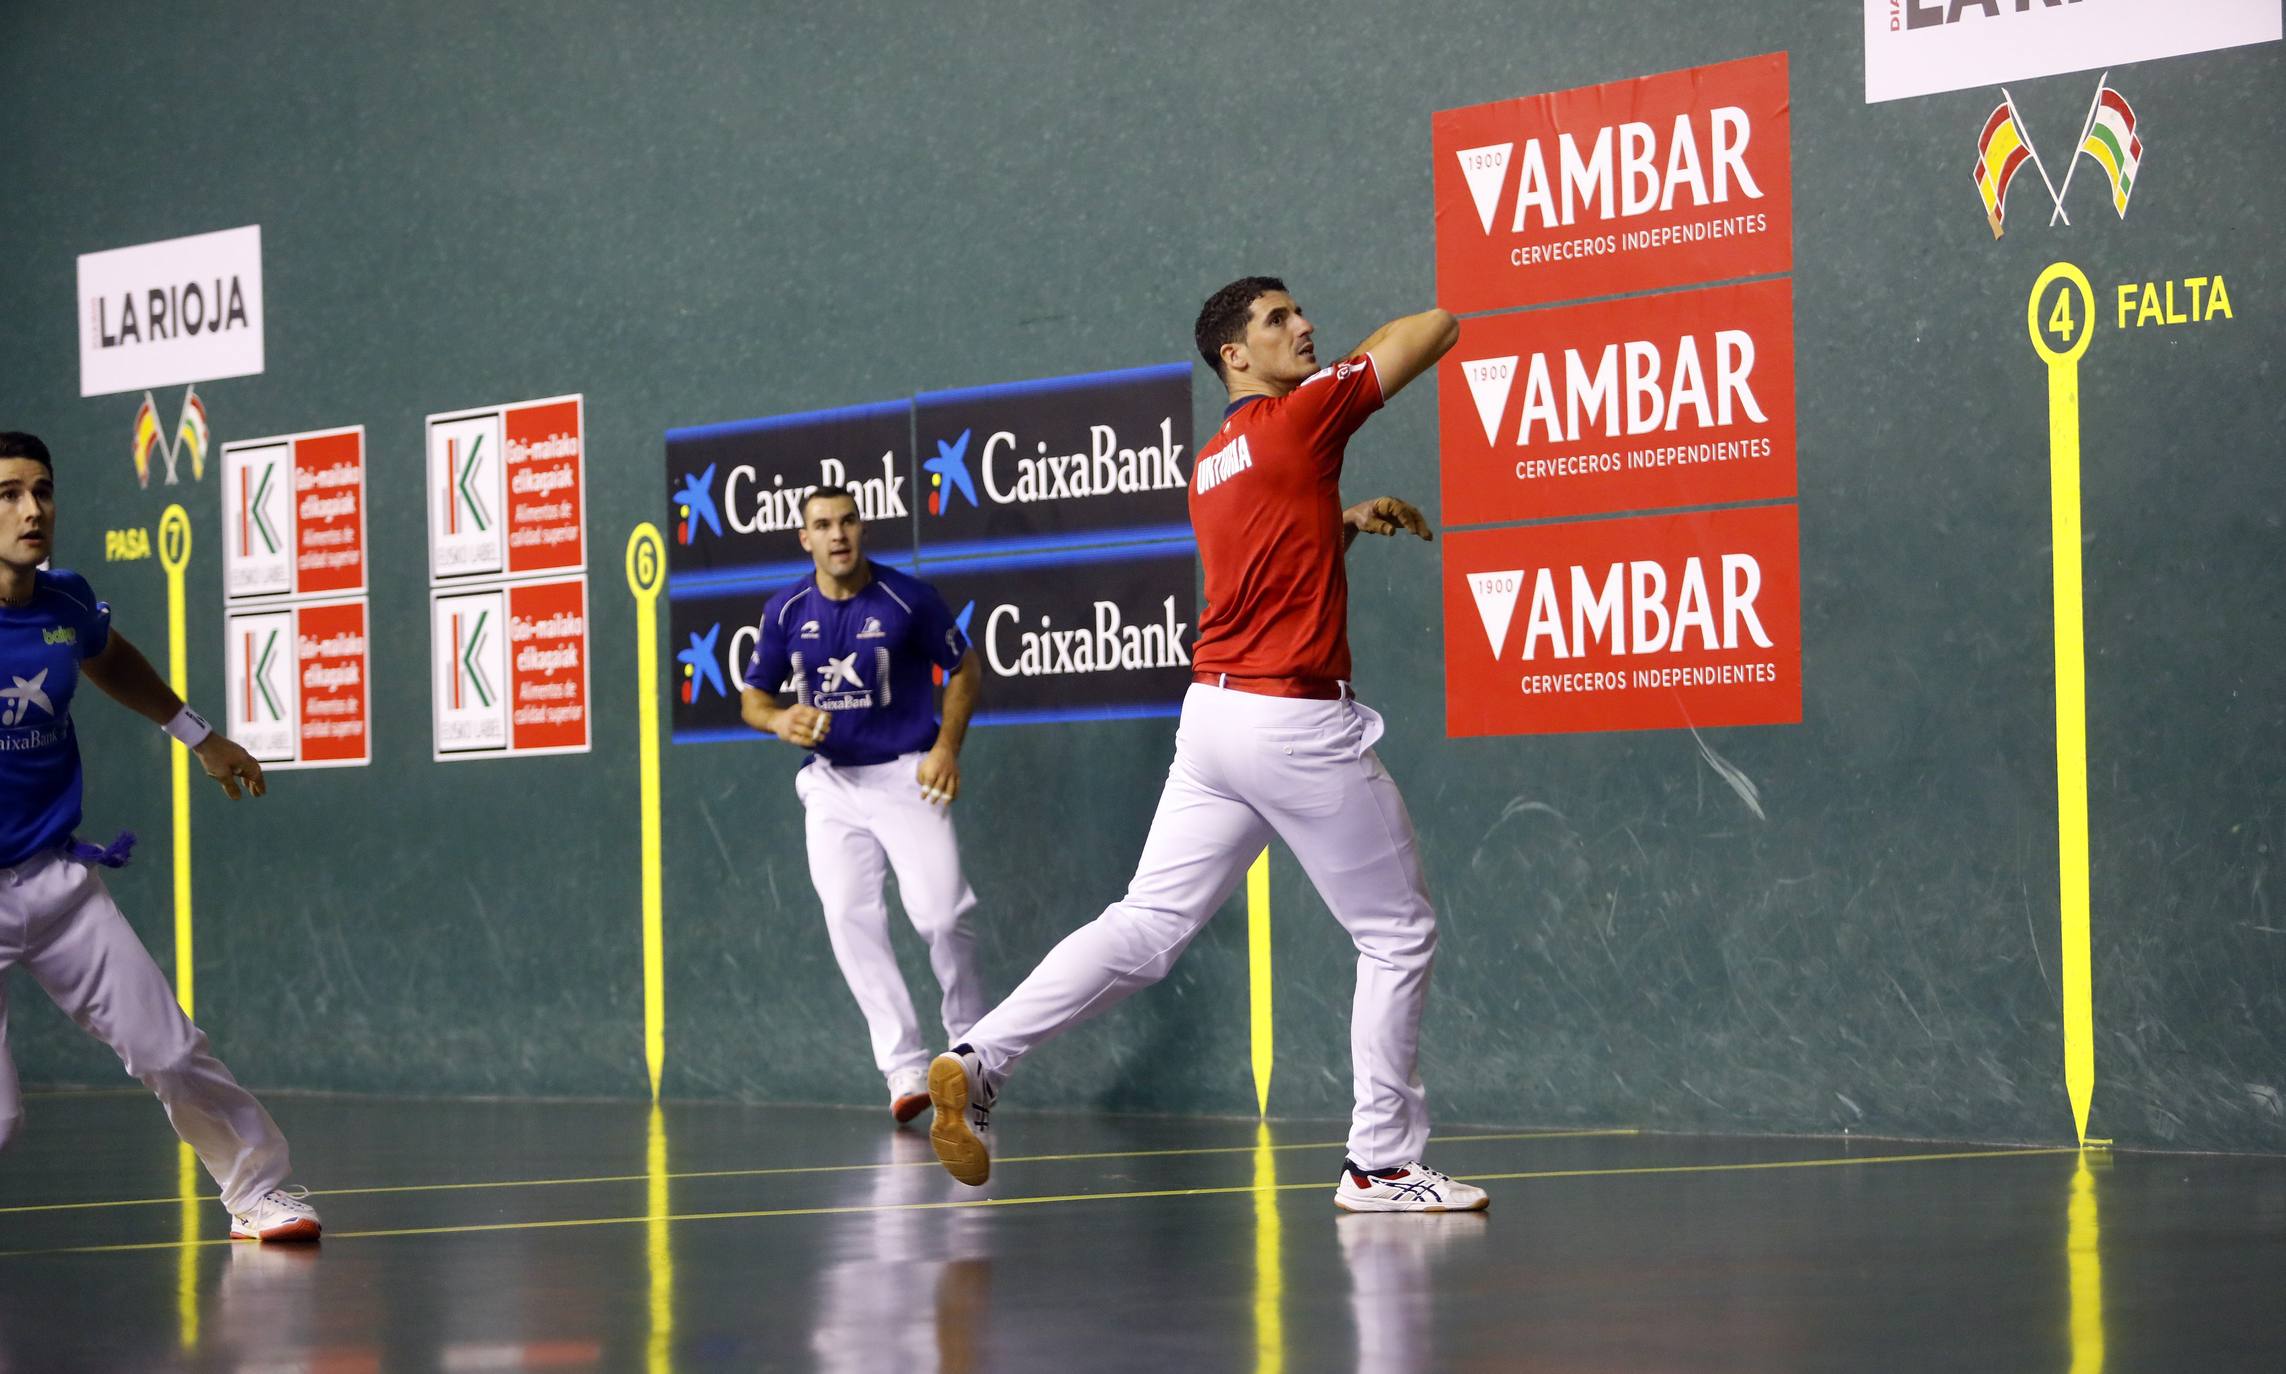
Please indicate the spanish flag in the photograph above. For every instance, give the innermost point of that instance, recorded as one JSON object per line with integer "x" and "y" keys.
{"x": 192, "y": 433}
{"x": 2111, "y": 141}
{"x": 146, "y": 438}
{"x": 1999, "y": 152}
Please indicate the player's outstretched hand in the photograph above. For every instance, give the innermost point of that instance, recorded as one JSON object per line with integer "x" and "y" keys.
{"x": 939, "y": 776}
{"x": 806, "y": 726}
{"x": 1387, "y": 515}
{"x": 229, "y": 764}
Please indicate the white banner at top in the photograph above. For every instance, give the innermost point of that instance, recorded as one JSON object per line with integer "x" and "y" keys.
{"x": 180, "y": 310}
{"x": 1920, "y": 47}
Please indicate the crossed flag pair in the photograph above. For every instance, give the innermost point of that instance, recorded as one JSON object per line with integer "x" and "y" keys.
{"x": 2108, "y": 136}
{"x": 190, "y": 433}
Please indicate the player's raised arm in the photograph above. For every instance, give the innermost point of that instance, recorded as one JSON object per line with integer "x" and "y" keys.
{"x": 1406, "y": 347}
{"x": 129, "y": 679}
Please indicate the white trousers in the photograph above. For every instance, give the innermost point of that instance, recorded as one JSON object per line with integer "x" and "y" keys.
{"x": 58, "y": 920}
{"x": 863, "y": 822}
{"x": 1246, "y": 767}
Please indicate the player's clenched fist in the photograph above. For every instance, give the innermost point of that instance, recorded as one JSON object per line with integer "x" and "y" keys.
{"x": 1386, "y": 515}
{"x": 939, "y": 776}
{"x": 802, "y": 725}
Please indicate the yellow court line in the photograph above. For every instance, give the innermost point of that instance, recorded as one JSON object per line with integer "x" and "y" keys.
{"x": 1138, "y": 1195}
{"x": 1261, "y": 1029}
{"x": 824, "y": 1169}
{"x": 174, "y": 556}
{"x": 646, "y": 573}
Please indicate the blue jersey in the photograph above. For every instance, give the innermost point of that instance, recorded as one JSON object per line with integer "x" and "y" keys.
{"x": 41, "y": 645}
{"x": 866, "y": 660}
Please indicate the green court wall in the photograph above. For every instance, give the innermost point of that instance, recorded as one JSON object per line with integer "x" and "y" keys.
{"x": 705, "y": 212}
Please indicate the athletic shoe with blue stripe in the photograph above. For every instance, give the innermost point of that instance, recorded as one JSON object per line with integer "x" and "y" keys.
{"x": 1409, "y": 1187}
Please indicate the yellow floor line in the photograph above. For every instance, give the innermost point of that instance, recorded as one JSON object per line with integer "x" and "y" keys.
{"x": 852, "y": 1209}
{"x": 819, "y": 1169}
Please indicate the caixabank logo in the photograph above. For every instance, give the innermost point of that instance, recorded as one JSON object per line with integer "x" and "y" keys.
{"x": 735, "y": 490}
{"x": 1084, "y": 634}
{"x": 1060, "y": 456}
{"x": 1653, "y": 622}
{"x": 1654, "y": 181}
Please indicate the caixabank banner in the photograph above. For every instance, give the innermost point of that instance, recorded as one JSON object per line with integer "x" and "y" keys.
{"x": 712, "y": 634}
{"x": 1652, "y": 622}
{"x": 734, "y": 490}
{"x": 1084, "y": 634}
{"x": 1679, "y": 399}
{"x": 1043, "y": 460}
{"x": 299, "y": 685}
{"x": 1653, "y": 181}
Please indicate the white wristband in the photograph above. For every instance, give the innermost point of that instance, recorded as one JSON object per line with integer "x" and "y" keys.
{"x": 190, "y": 727}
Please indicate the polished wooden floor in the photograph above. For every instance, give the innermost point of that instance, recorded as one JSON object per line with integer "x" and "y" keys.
{"x": 492, "y": 1236}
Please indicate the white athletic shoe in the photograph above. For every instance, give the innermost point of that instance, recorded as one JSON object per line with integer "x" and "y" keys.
{"x": 908, "y": 1093}
{"x": 1411, "y": 1187}
{"x": 277, "y": 1215}
{"x": 962, "y": 1131}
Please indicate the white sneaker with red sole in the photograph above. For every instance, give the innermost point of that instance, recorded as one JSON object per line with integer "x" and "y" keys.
{"x": 277, "y": 1215}
{"x": 1410, "y": 1187}
{"x": 908, "y": 1094}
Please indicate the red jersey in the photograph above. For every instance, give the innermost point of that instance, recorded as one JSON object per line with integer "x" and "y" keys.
{"x": 1266, "y": 504}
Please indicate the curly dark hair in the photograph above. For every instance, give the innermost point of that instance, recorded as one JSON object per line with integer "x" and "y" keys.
{"x": 1223, "y": 318}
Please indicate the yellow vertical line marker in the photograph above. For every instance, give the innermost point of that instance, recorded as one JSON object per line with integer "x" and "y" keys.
{"x": 646, "y": 573}
{"x": 2049, "y": 317}
{"x": 1269, "y": 1269}
{"x": 174, "y": 556}
{"x": 186, "y": 1261}
{"x": 2086, "y": 1269}
{"x": 1258, "y": 974}
{"x": 660, "y": 1351}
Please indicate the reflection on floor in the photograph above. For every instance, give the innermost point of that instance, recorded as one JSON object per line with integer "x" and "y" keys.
{"x": 614, "y": 1236}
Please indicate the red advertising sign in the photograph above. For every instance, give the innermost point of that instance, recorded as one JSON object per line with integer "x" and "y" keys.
{"x": 1681, "y": 399}
{"x": 329, "y": 512}
{"x": 332, "y": 668}
{"x": 545, "y": 526}
{"x": 1655, "y": 181}
{"x": 1647, "y": 623}
{"x": 547, "y": 674}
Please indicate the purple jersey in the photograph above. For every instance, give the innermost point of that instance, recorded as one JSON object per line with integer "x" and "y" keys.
{"x": 866, "y": 660}
{"x": 41, "y": 645}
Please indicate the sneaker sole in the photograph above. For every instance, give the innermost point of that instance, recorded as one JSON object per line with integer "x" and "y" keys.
{"x": 958, "y": 1149}
{"x": 1364, "y": 1205}
{"x": 302, "y": 1230}
{"x": 907, "y": 1107}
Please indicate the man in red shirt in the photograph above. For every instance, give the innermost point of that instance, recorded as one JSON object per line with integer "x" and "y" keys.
{"x": 1271, "y": 742}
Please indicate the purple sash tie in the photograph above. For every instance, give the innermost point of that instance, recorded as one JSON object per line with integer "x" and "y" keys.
{"x": 112, "y": 855}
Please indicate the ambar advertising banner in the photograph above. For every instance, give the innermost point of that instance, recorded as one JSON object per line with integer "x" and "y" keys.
{"x": 1094, "y": 634}
{"x": 1629, "y": 624}
{"x": 1654, "y": 181}
{"x": 293, "y": 515}
{"x": 1679, "y": 399}
{"x": 1062, "y": 456}
{"x": 298, "y": 679}
{"x": 1919, "y": 47}
{"x": 734, "y": 490}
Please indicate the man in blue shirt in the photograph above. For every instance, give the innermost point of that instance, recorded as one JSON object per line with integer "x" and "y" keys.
{"x": 57, "y": 918}
{"x": 853, "y": 645}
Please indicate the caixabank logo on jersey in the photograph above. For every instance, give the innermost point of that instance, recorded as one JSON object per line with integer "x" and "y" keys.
{"x": 1655, "y": 181}
{"x": 1680, "y": 399}
{"x": 734, "y": 491}
{"x": 1062, "y": 455}
{"x": 1654, "y": 622}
